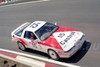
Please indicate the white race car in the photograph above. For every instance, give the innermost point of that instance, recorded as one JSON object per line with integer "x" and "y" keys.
{"x": 58, "y": 42}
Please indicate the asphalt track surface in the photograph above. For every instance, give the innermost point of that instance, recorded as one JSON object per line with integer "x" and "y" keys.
{"x": 83, "y": 15}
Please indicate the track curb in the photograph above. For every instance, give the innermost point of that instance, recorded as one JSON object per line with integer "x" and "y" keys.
{"x": 53, "y": 62}
{"x": 25, "y": 60}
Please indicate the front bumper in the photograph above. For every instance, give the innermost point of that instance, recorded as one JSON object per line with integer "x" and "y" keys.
{"x": 73, "y": 50}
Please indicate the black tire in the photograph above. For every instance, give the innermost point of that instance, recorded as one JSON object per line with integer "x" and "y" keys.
{"x": 21, "y": 46}
{"x": 53, "y": 54}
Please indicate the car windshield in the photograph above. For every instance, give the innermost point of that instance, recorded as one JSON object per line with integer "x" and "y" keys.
{"x": 46, "y": 30}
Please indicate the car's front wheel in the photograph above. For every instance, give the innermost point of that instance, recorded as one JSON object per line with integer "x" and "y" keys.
{"x": 53, "y": 54}
{"x": 21, "y": 46}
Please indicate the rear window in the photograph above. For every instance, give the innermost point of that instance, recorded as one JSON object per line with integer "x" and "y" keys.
{"x": 19, "y": 31}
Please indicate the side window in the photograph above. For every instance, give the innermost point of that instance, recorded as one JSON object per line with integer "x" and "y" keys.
{"x": 19, "y": 33}
{"x": 30, "y": 35}
{"x": 27, "y": 34}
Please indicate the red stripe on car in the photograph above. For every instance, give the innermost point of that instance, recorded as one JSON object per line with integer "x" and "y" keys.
{"x": 65, "y": 29}
{"x": 21, "y": 40}
{"x": 51, "y": 42}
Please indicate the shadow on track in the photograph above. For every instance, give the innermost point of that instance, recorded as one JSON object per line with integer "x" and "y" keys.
{"x": 78, "y": 55}
{"x": 35, "y": 52}
{"x": 74, "y": 59}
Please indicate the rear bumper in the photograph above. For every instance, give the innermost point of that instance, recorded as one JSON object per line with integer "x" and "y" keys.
{"x": 73, "y": 51}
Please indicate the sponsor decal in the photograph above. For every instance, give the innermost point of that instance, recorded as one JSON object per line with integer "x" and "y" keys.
{"x": 63, "y": 38}
{"x": 66, "y": 39}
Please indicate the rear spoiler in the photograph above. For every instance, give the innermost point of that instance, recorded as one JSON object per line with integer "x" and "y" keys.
{"x": 22, "y": 27}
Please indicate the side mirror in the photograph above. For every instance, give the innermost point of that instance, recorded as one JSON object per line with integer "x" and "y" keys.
{"x": 55, "y": 23}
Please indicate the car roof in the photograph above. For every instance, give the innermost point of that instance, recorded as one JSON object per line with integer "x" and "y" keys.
{"x": 35, "y": 26}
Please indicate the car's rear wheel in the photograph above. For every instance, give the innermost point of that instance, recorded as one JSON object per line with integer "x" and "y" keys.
{"x": 21, "y": 46}
{"x": 53, "y": 54}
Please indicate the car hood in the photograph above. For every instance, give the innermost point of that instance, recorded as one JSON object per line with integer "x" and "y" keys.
{"x": 64, "y": 38}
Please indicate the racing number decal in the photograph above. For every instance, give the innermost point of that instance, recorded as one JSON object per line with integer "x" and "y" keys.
{"x": 34, "y": 25}
{"x": 33, "y": 44}
{"x": 61, "y": 35}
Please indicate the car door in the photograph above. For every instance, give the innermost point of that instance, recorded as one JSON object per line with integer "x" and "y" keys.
{"x": 31, "y": 40}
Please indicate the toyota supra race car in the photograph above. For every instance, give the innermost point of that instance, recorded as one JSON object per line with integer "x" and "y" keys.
{"x": 57, "y": 42}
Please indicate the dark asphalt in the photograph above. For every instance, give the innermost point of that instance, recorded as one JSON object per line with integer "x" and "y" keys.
{"x": 83, "y": 15}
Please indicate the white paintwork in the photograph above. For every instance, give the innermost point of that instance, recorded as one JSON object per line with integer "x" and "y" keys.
{"x": 33, "y": 26}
